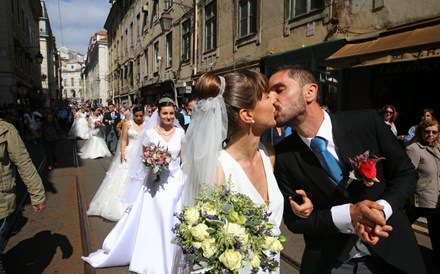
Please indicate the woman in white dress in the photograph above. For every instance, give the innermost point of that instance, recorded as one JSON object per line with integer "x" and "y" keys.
{"x": 95, "y": 146}
{"x": 238, "y": 108}
{"x": 80, "y": 128}
{"x": 142, "y": 237}
{"x": 107, "y": 201}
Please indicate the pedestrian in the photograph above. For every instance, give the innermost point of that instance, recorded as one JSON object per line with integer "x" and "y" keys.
{"x": 234, "y": 107}
{"x": 51, "y": 132}
{"x": 95, "y": 146}
{"x": 427, "y": 114}
{"x": 111, "y": 120}
{"x": 142, "y": 237}
{"x": 107, "y": 201}
{"x": 14, "y": 153}
{"x": 349, "y": 230}
{"x": 424, "y": 152}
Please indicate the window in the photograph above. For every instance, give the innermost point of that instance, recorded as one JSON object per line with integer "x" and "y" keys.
{"x": 168, "y": 4}
{"x": 186, "y": 40}
{"x": 138, "y": 26}
{"x": 145, "y": 22}
{"x": 301, "y": 7}
{"x": 72, "y": 81}
{"x": 65, "y": 82}
{"x": 146, "y": 63}
{"x": 169, "y": 39}
{"x": 156, "y": 56}
{"x": 247, "y": 17}
{"x": 131, "y": 35}
{"x": 155, "y": 14}
{"x": 211, "y": 26}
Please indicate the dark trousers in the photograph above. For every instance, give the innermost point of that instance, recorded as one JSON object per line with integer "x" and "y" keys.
{"x": 50, "y": 148}
{"x": 3, "y": 230}
{"x": 432, "y": 215}
{"x": 365, "y": 265}
{"x": 111, "y": 139}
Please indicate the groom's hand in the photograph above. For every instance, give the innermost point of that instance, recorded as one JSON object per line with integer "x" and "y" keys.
{"x": 368, "y": 213}
{"x": 372, "y": 236}
{"x": 369, "y": 221}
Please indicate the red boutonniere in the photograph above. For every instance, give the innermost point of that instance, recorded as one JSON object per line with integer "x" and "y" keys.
{"x": 364, "y": 168}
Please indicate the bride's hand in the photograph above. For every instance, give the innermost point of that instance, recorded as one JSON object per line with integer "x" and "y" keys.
{"x": 302, "y": 207}
{"x": 123, "y": 158}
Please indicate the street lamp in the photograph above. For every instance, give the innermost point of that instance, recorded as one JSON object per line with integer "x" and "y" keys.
{"x": 39, "y": 57}
{"x": 165, "y": 22}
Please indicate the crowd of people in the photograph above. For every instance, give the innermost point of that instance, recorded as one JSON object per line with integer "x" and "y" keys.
{"x": 273, "y": 139}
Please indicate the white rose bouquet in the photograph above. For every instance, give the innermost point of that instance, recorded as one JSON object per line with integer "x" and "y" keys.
{"x": 226, "y": 232}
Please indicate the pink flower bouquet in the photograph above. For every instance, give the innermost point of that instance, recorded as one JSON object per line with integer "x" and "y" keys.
{"x": 157, "y": 158}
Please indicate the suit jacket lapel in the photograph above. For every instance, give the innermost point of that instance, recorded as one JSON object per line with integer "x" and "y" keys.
{"x": 309, "y": 163}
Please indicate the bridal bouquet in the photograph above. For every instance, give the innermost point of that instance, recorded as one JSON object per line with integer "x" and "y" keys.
{"x": 157, "y": 158}
{"x": 99, "y": 124}
{"x": 226, "y": 232}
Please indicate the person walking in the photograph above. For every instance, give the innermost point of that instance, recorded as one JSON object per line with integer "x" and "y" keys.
{"x": 14, "y": 153}
{"x": 349, "y": 230}
{"x": 142, "y": 237}
{"x": 110, "y": 120}
{"x": 424, "y": 152}
{"x": 107, "y": 201}
{"x": 427, "y": 114}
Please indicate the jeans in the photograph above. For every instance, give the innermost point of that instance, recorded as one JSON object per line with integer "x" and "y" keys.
{"x": 3, "y": 230}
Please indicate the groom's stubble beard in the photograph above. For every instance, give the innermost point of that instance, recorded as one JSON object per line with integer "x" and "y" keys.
{"x": 292, "y": 114}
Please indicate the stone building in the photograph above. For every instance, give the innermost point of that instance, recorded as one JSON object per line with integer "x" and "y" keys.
{"x": 20, "y": 56}
{"x": 365, "y": 52}
{"x": 72, "y": 64}
{"x": 96, "y": 71}
{"x": 50, "y": 67}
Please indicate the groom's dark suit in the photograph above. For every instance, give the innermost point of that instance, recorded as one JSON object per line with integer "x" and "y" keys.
{"x": 297, "y": 167}
{"x": 110, "y": 121}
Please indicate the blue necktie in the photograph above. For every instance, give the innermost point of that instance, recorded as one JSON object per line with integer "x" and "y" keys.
{"x": 113, "y": 115}
{"x": 328, "y": 161}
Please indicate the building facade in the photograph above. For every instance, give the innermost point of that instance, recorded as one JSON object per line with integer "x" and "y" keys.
{"x": 50, "y": 67}
{"x": 72, "y": 65}
{"x": 20, "y": 56}
{"x": 96, "y": 71}
{"x": 158, "y": 47}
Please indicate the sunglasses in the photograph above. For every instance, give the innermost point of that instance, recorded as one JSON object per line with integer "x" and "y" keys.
{"x": 389, "y": 112}
{"x": 431, "y": 131}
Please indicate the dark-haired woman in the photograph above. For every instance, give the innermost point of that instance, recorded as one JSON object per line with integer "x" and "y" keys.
{"x": 142, "y": 237}
{"x": 107, "y": 201}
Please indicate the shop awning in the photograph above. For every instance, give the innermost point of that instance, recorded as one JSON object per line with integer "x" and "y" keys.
{"x": 410, "y": 45}
{"x": 312, "y": 56}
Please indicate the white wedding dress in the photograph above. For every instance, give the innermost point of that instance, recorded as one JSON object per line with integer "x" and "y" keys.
{"x": 107, "y": 201}
{"x": 80, "y": 128}
{"x": 242, "y": 184}
{"x": 95, "y": 146}
{"x": 142, "y": 237}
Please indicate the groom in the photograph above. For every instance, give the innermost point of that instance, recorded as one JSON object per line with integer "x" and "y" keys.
{"x": 349, "y": 230}
{"x": 110, "y": 120}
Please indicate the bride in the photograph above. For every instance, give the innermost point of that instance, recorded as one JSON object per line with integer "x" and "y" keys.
{"x": 107, "y": 201}
{"x": 142, "y": 237}
{"x": 95, "y": 146}
{"x": 238, "y": 108}
{"x": 79, "y": 127}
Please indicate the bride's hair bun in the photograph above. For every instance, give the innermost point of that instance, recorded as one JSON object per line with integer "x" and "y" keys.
{"x": 208, "y": 85}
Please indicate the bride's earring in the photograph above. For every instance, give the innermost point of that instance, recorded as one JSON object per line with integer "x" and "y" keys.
{"x": 253, "y": 121}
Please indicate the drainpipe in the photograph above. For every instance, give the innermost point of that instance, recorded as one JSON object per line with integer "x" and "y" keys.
{"x": 195, "y": 37}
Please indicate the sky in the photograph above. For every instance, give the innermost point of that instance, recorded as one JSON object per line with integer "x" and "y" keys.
{"x": 80, "y": 19}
